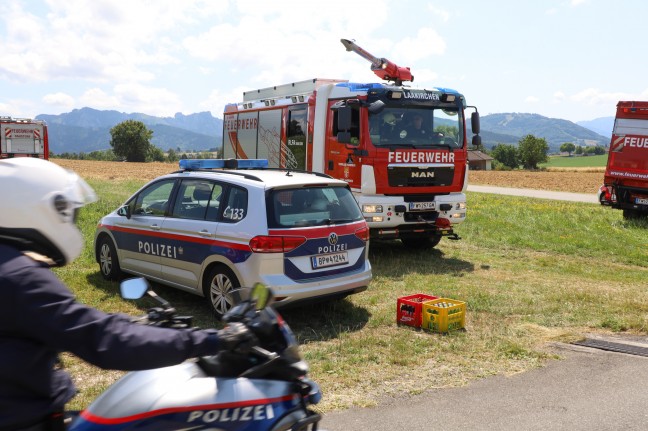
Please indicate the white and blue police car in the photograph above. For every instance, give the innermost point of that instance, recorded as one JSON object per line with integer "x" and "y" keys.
{"x": 216, "y": 225}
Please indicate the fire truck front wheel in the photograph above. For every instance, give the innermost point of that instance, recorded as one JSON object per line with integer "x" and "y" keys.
{"x": 632, "y": 214}
{"x": 108, "y": 261}
{"x": 422, "y": 242}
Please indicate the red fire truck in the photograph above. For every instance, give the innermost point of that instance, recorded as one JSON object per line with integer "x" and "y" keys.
{"x": 402, "y": 150}
{"x": 625, "y": 185}
{"x": 22, "y": 137}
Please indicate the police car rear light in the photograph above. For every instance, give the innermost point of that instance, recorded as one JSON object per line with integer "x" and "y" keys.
{"x": 223, "y": 163}
{"x": 275, "y": 244}
{"x": 363, "y": 233}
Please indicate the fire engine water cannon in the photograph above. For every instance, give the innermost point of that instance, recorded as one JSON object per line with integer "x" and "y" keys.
{"x": 382, "y": 67}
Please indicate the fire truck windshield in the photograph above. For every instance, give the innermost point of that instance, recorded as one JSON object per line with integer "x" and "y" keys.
{"x": 417, "y": 127}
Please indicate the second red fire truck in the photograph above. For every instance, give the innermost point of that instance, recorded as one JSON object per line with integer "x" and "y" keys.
{"x": 22, "y": 137}
{"x": 402, "y": 150}
{"x": 625, "y": 184}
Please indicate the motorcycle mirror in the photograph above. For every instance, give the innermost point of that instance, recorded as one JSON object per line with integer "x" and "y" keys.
{"x": 133, "y": 288}
{"x": 261, "y": 295}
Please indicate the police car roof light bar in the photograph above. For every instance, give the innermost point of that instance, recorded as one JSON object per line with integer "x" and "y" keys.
{"x": 193, "y": 164}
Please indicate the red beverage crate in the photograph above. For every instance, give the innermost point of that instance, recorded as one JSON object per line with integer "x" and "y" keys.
{"x": 408, "y": 309}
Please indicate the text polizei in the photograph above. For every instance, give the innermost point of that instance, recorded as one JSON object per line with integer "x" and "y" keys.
{"x": 157, "y": 249}
{"x": 240, "y": 414}
{"x": 332, "y": 248}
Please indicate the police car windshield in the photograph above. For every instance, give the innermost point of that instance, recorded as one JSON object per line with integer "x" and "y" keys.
{"x": 311, "y": 206}
{"x": 416, "y": 127}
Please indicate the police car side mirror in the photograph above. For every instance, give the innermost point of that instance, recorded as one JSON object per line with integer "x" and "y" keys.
{"x": 124, "y": 211}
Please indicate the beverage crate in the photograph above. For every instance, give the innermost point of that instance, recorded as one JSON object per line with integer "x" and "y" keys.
{"x": 408, "y": 309}
{"x": 443, "y": 315}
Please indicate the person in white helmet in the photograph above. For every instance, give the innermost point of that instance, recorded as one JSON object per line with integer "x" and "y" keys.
{"x": 39, "y": 316}
{"x": 389, "y": 127}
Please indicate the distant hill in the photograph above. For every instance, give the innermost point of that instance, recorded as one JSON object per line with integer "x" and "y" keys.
{"x": 603, "y": 125}
{"x": 87, "y": 129}
{"x": 509, "y": 128}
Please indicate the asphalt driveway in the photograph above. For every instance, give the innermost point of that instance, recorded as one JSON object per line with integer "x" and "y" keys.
{"x": 588, "y": 389}
{"x": 542, "y": 194}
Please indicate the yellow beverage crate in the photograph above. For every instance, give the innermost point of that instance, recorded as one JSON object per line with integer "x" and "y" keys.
{"x": 443, "y": 315}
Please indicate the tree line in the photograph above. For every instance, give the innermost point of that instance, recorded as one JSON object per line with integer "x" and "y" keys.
{"x": 531, "y": 151}
{"x": 131, "y": 142}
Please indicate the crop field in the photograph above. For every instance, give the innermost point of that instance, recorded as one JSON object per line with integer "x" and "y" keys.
{"x": 582, "y": 180}
{"x": 531, "y": 272}
{"x": 576, "y": 161}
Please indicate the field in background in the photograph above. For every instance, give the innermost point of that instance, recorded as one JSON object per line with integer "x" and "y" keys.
{"x": 577, "y": 180}
{"x": 598, "y": 161}
{"x": 531, "y": 271}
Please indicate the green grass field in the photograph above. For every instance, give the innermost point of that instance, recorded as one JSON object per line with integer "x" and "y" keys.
{"x": 531, "y": 272}
{"x": 576, "y": 162}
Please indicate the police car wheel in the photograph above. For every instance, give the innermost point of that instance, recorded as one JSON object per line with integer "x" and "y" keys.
{"x": 219, "y": 285}
{"x": 108, "y": 261}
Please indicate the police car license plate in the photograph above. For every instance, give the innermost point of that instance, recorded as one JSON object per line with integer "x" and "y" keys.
{"x": 640, "y": 201}
{"x": 421, "y": 206}
{"x": 325, "y": 260}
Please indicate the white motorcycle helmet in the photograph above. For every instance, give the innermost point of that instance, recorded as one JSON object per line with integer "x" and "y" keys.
{"x": 40, "y": 201}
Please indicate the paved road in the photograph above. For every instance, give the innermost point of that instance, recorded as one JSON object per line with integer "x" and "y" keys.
{"x": 589, "y": 389}
{"x": 543, "y": 194}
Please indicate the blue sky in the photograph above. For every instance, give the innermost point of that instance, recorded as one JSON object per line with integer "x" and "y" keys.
{"x": 571, "y": 59}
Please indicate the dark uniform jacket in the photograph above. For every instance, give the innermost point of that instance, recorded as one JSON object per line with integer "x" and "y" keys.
{"x": 39, "y": 318}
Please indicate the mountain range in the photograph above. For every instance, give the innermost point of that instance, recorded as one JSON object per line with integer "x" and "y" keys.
{"x": 85, "y": 130}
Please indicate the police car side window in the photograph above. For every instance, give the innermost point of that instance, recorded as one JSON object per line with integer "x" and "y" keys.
{"x": 154, "y": 199}
{"x": 214, "y": 203}
{"x": 197, "y": 199}
{"x": 236, "y": 205}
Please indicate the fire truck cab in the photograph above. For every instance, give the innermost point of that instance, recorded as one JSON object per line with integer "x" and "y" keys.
{"x": 403, "y": 151}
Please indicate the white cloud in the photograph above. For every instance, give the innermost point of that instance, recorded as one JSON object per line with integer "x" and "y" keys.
{"x": 559, "y": 96}
{"x": 59, "y": 100}
{"x": 100, "y": 41}
{"x": 154, "y": 101}
{"x": 217, "y": 100}
{"x": 594, "y": 96}
{"x": 426, "y": 43}
{"x": 441, "y": 13}
{"x": 20, "y": 108}
{"x": 531, "y": 99}
{"x": 426, "y": 78}
{"x": 98, "y": 99}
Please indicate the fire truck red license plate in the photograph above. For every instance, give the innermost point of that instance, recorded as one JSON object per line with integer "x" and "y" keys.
{"x": 421, "y": 206}
{"x": 640, "y": 201}
{"x": 324, "y": 260}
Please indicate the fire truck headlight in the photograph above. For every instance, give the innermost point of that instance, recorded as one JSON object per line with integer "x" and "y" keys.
{"x": 374, "y": 219}
{"x": 461, "y": 205}
{"x": 457, "y": 215}
{"x": 371, "y": 208}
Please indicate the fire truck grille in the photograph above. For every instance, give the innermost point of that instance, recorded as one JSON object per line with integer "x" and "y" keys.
{"x": 420, "y": 177}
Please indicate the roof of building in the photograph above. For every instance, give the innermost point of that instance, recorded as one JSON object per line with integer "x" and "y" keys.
{"x": 476, "y": 155}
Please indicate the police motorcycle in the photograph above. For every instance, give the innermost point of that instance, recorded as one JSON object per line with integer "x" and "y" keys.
{"x": 261, "y": 387}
